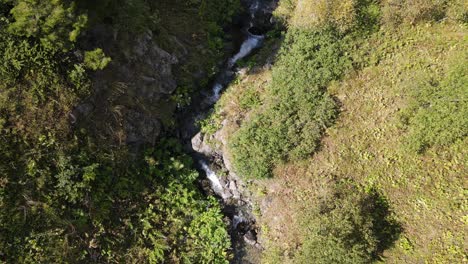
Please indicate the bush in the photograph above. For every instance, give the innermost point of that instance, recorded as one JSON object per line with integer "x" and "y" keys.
{"x": 192, "y": 226}
{"x": 80, "y": 206}
{"x": 350, "y": 226}
{"x": 55, "y": 23}
{"x": 290, "y": 125}
{"x": 63, "y": 197}
{"x": 322, "y": 13}
{"x": 458, "y": 11}
{"x": 96, "y": 59}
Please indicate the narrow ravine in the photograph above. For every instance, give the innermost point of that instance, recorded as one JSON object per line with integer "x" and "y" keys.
{"x": 227, "y": 186}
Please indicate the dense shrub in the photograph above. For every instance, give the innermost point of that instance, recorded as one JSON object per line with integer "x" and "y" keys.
{"x": 292, "y": 121}
{"x": 458, "y": 11}
{"x": 55, "y": 23}
{"x": 96, "y": 59}
{"x": 348, "y": 226}
{"x": 82, "y": 207}
{"x": 179, "y": 223}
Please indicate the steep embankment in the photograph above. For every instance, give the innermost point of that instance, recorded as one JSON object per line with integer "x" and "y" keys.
{"x": 386, "y": 178}
{"x": 156, "y": 69}
{"x": 220, "y": 180}
{"x": 73, "y": 186}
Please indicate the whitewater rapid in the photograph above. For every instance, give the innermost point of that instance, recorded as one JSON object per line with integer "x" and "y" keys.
{"x": 252, "y": 42}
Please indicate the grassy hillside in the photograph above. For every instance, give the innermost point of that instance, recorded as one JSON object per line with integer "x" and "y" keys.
{"x": 398, "y": 141}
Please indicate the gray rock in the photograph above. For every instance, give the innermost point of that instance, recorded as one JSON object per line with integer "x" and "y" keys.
{"x": 200, "y": 146}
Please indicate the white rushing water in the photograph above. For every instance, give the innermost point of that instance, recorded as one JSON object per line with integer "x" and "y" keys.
{"x": 237, "y": 219}
{"x": 252, "y": 42}
{"x": 243, "y": 225}
{"x": 211, "y": 175}
{"x": 216, "y": 93}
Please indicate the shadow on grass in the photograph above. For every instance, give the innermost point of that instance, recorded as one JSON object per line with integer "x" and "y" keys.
{"x": 386, "y": 229}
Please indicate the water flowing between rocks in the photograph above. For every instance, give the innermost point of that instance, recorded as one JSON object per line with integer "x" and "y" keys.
{"x": 227, "y": 186}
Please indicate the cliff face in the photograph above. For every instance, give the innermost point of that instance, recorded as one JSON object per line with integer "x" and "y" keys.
{"x": 132, "y": 95}
{"x": 135, "y": 97}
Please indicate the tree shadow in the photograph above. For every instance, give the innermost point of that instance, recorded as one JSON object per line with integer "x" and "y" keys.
{"x": 386, "y": 229}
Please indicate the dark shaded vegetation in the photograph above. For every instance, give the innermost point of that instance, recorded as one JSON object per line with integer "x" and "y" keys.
{"x": 73, "y": 207}
{"x": 66, "y": 195}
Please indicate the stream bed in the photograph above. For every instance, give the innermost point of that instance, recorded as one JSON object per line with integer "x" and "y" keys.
{"x": 227, "y": 186}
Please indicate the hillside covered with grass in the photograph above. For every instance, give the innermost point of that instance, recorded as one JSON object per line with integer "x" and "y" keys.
{"x": 352, "y": 123}
{"x": 348, "y": 128}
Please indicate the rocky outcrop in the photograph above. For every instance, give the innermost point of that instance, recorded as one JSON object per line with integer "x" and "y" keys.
{"x": 131, "y": 96}
{"x": 148, "y": 67}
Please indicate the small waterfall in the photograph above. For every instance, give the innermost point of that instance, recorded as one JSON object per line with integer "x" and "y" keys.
{"x": 237, "y": 219}
{"x": 243, "y": 225}
{"x": 252, "y": 42}
{"x": 211, "y": 175}
{"x": 229, "y": 188}
{"x": 254, "y": 8}
{"x": 216, "y": 93}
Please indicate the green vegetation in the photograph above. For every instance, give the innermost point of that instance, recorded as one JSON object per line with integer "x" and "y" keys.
{"x": 96, "y": 59}
{"x": 55, "y": 23}
{"x": 350, "y": 226}
{"x": 413, "y": 12}
{"x": 344, "y": 16}
{"x": 211, "y": 124}
{"x": 68, "y": 195}
{"x": 37, "y": 74}
{"x": 291, "y": 122}
{"x": 179, "y": 224}
{"x": 205, "y": 19}
{"x": 396, "y": 132}
{"x": 77, "y": 210}
{"x": 354, "y": 134}
{"x": 436, "y": 115}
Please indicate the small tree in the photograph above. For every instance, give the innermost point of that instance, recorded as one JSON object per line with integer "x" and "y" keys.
{"x": 96, "y": 59}
{"x": 350, "y": 226}
{"x": 55, "y": 23}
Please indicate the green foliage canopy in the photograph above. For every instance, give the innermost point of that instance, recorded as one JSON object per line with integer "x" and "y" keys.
{"x": 348, "y": 226}
{"x": 290, "y": 125}
{"x": 65, "y": 197}
{"x": 56, "y": 23}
